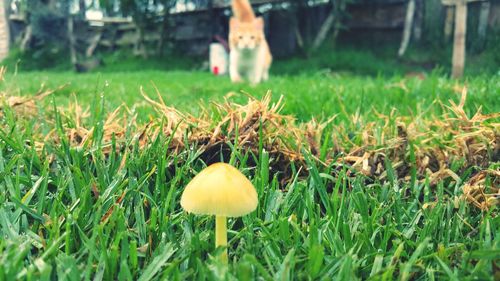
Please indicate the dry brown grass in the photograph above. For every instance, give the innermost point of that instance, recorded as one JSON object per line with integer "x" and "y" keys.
{"x": 425, "y": 145}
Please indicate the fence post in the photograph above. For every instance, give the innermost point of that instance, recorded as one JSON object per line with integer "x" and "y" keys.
{"x": 458, "y": 60}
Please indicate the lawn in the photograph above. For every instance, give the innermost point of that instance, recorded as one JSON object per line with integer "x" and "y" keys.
{"x": 307, "y": 96}
{"x": 83, "y": 198}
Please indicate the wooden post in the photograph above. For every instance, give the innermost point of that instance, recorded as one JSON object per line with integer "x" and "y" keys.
{"x": 458, "y": 60}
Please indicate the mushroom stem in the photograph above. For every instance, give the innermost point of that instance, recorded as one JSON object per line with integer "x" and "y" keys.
{"x": 221, "y": 235}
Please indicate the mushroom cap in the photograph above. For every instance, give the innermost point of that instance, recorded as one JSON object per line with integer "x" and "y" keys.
{"x": 221, "y": 190}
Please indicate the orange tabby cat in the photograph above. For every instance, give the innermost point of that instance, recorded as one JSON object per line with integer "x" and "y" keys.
{"x": 249, "y": 56}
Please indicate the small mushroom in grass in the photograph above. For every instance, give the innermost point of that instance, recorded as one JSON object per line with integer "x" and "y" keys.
{"x": 223, "y": 191}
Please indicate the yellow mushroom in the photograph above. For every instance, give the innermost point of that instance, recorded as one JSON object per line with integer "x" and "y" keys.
{"x": 223, "y": 191}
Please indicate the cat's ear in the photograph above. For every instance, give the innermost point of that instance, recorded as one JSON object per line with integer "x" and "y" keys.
{"x": 233, "y": 23}
{"x": 259, "y": 23}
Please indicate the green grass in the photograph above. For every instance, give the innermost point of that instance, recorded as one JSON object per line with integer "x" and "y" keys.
{"x": 319, "y": 95}
{"x": 80, "y": 215}
{"x": 73, "y": 214}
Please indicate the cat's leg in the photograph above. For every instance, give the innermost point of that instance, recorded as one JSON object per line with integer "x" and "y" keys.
{"x": 265, "y": 74}
{"x": 260, "y": 69}
{"x": 257, "y": 73}
{"x": 234, "y": 74}
{"x": 256, "y": 77}
{"x": 233, "y": 68}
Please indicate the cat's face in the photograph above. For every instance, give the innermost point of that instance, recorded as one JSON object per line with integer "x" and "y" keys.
{"x": 246, "y": 35}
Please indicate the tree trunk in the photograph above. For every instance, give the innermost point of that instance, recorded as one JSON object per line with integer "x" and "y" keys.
{"x": 410, "y": 13}
{"x": 4, "y": 30}
{"x": 459, "y": 40}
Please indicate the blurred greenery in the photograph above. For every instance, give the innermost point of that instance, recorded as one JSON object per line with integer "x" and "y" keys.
{"x": 356, "y": 57}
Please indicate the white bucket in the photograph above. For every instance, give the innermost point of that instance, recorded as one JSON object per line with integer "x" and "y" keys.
{"x": 218, "y": 59}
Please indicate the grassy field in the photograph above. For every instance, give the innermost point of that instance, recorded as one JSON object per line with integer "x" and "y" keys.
{"x": 90, "y": 212}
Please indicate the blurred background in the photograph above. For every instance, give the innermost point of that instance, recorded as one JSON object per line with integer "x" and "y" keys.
{"x": 363, "y": 36}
